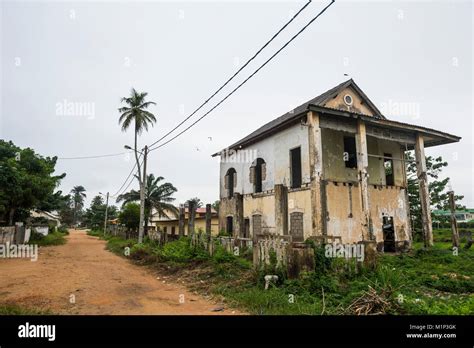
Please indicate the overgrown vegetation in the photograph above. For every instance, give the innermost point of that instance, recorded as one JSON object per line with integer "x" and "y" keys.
{"x": 17, "y": 310}
{"x": 420, "y": 282}
{"x": 53, "y": 238}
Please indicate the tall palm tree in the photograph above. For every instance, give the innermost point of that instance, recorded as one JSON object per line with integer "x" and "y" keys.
{"x": 135, "y": 113}
{"x": 158, "y": 196}
{"x": 78, "y": 195}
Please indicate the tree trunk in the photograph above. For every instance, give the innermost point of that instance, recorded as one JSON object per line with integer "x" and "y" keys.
{"x": 10, "y": 216}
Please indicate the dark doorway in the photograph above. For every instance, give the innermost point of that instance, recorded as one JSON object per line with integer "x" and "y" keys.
{"x": 388, "y": 166}
{"x": 388, "y": 234}
{"x": 296, "y": 227}
{"x": 230, "y": 225}
{"x": 295, "y": 158}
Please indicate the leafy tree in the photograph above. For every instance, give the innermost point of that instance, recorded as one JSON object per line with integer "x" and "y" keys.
{"x": 216, "y": 205}
{"x": 26, "y": 180}
{"x": 158, "y": 197}
{"x": 78, "y": 196}
{"x": 197, "y": 202}
{"x": 66, "y": 210}
{"x": 130, "y": 215}
{"x": 437, "y": 187}
{"x": 95, "y": 214}
{"x": 135, "y": 113}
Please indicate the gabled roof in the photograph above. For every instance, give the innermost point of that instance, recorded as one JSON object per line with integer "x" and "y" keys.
{"x": 302, "y": 109}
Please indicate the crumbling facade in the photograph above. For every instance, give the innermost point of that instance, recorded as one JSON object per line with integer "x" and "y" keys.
{"x": 333, "y": 169}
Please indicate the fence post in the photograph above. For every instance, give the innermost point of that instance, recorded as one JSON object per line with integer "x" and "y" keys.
{"x": 181, "y": 221}
{"x": 191, "y": 215}
{"x": 208, "y": 221}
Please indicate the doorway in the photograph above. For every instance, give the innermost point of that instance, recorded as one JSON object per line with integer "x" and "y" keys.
{"x": 388, "y": 234}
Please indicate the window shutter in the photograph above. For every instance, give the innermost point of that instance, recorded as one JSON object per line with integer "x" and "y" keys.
{"x": 226, "y": 182}
{"x": 252, "y": 175}
{"x": 264, "y": 171}
{"x": 235, "y": 179}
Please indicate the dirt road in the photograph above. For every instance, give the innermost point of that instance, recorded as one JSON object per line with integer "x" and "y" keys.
{"x": 99, "y": 282}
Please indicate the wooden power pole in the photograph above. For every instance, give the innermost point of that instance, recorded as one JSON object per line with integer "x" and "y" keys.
{"x": 454, "y": 225}
{"x": 106, "y": 211}
{"x": 142, "y": 198}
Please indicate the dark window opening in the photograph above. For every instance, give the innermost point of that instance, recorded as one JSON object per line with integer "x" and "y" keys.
{"x": 165, "y": 229}
{"x": 230, "y": 178}
{"x": 246, "y": 228}
{"x": 259, "y": 175}
{"x": 230, "y": 225}
{"x": 173, "y": 230}
{"x": 295, "y": 157}
{"x": 350, "y": 152}
{"x": 388, "y": 167}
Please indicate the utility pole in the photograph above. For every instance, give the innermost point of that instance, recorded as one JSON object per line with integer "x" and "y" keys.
{"x": 106, "y": 211}
{"x": 142, "y": 197}
{"x": 454, "y": 226}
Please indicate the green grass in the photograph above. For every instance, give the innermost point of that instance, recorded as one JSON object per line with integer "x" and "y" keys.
{"x": 17, "y": 310}
{"x": 437, "y": 281}
{"x": 54, "y": 238}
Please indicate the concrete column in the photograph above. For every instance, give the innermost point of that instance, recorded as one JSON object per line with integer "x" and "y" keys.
{"x": 362, "y": 165}
{"x": 318, "y": 196}
{"x": 424, "y": 193}
{"x": 281, "y": 209}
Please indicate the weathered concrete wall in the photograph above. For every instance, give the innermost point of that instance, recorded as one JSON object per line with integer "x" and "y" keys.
{"x": 344, "y": 212}
{"x": 335, "y": 167}
{"x": 390, "y": 201}
{"x": 357, "y": 105}
{"x": 345, "y": 216}
{"x": 300, "y": 201}
{"x": 261, "y": 204}
{"x": 275, "y": 151}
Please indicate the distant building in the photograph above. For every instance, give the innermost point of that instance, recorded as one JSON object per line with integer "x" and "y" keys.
{"x": 461, "y": 215}
{"x": 49, "y": 216}
{"x": 169, "y": 222}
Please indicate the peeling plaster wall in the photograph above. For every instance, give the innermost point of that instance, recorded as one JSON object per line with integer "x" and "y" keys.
{"x": 339, "y": 207}
{"x": 275, "y": 151}
{"x": 335, "y": 168}
{"x": 389, "y": 201}
{"x": 300, "y": 201}
{"x": 264, "y": 205}
{"x": 357, "y": 105}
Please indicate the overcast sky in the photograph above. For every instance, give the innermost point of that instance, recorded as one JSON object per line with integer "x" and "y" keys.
{"x": 413, "y": 59}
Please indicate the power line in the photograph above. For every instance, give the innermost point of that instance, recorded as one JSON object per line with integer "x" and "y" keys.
{"x": 119, "y": 191}
{"x": 235, "y": 74}
{"x": 248, "y": 78}
{"x": 94, "y": 156}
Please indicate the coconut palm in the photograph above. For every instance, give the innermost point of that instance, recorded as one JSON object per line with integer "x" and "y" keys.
{"x": 157, "y": 196}
{"x": 135, "y": 113}
{"x": 78, "y": 196}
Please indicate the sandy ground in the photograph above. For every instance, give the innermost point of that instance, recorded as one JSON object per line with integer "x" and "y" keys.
{"x": 100, "y": 282}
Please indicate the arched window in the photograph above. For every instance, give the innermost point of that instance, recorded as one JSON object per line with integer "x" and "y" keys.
{"x": 258, "y": 174}
{"x": 230, "y": 182}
